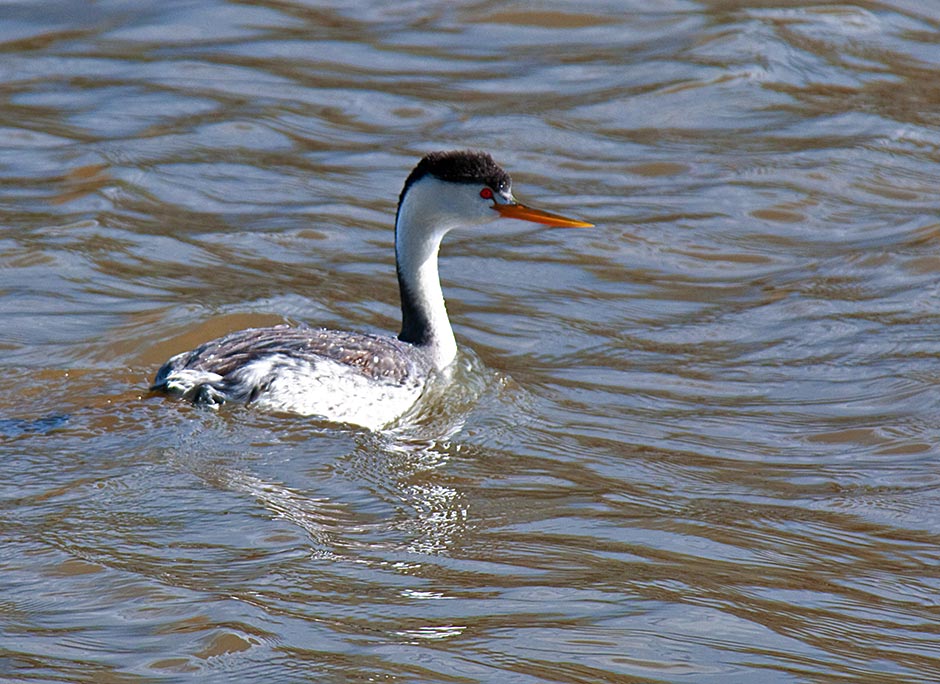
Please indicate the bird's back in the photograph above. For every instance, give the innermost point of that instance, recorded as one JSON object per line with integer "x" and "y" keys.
{"x": 357, "y": 378}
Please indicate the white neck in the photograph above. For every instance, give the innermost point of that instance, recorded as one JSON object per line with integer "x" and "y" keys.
{"x": 418, "y": 234}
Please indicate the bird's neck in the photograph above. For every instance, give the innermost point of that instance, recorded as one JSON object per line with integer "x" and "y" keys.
{"x": 424, "y": 315}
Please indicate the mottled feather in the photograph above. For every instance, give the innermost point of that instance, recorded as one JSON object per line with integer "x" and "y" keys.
{"x": 380, "y": 358}
{"x": 224, "y": 369}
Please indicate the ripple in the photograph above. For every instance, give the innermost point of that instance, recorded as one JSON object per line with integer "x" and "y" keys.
{"x": 694, "y": 442}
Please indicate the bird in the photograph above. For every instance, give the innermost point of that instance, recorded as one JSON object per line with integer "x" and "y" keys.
{"x": 364, "y": 379}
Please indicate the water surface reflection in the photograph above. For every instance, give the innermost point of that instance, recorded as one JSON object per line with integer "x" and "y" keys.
{"x": 696, "y": 443}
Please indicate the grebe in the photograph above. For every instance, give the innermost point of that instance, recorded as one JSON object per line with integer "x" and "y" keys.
{"x": 358, "y": 378}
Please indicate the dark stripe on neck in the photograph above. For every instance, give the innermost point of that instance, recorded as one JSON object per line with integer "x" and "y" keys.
{"x": 415, "y": 322}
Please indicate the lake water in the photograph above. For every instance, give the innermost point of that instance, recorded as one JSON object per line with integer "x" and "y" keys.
{"x": 696, "y": 443}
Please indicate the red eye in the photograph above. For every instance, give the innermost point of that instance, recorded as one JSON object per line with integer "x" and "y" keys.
{"x": 486, "y": 193}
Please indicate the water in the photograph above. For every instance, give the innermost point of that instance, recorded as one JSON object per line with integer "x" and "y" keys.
{"x": 697, "y": 443}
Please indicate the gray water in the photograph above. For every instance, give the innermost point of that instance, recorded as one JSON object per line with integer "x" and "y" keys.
{"x": 696, "y": 443}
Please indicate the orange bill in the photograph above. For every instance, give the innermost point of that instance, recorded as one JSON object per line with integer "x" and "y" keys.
{"x": 524, "y": 213}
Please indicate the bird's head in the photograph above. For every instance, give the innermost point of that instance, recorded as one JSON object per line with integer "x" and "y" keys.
{"x": 448, "y": 190}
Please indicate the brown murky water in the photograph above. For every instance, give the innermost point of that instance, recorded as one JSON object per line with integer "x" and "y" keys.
{"x": 698, "y": 443}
